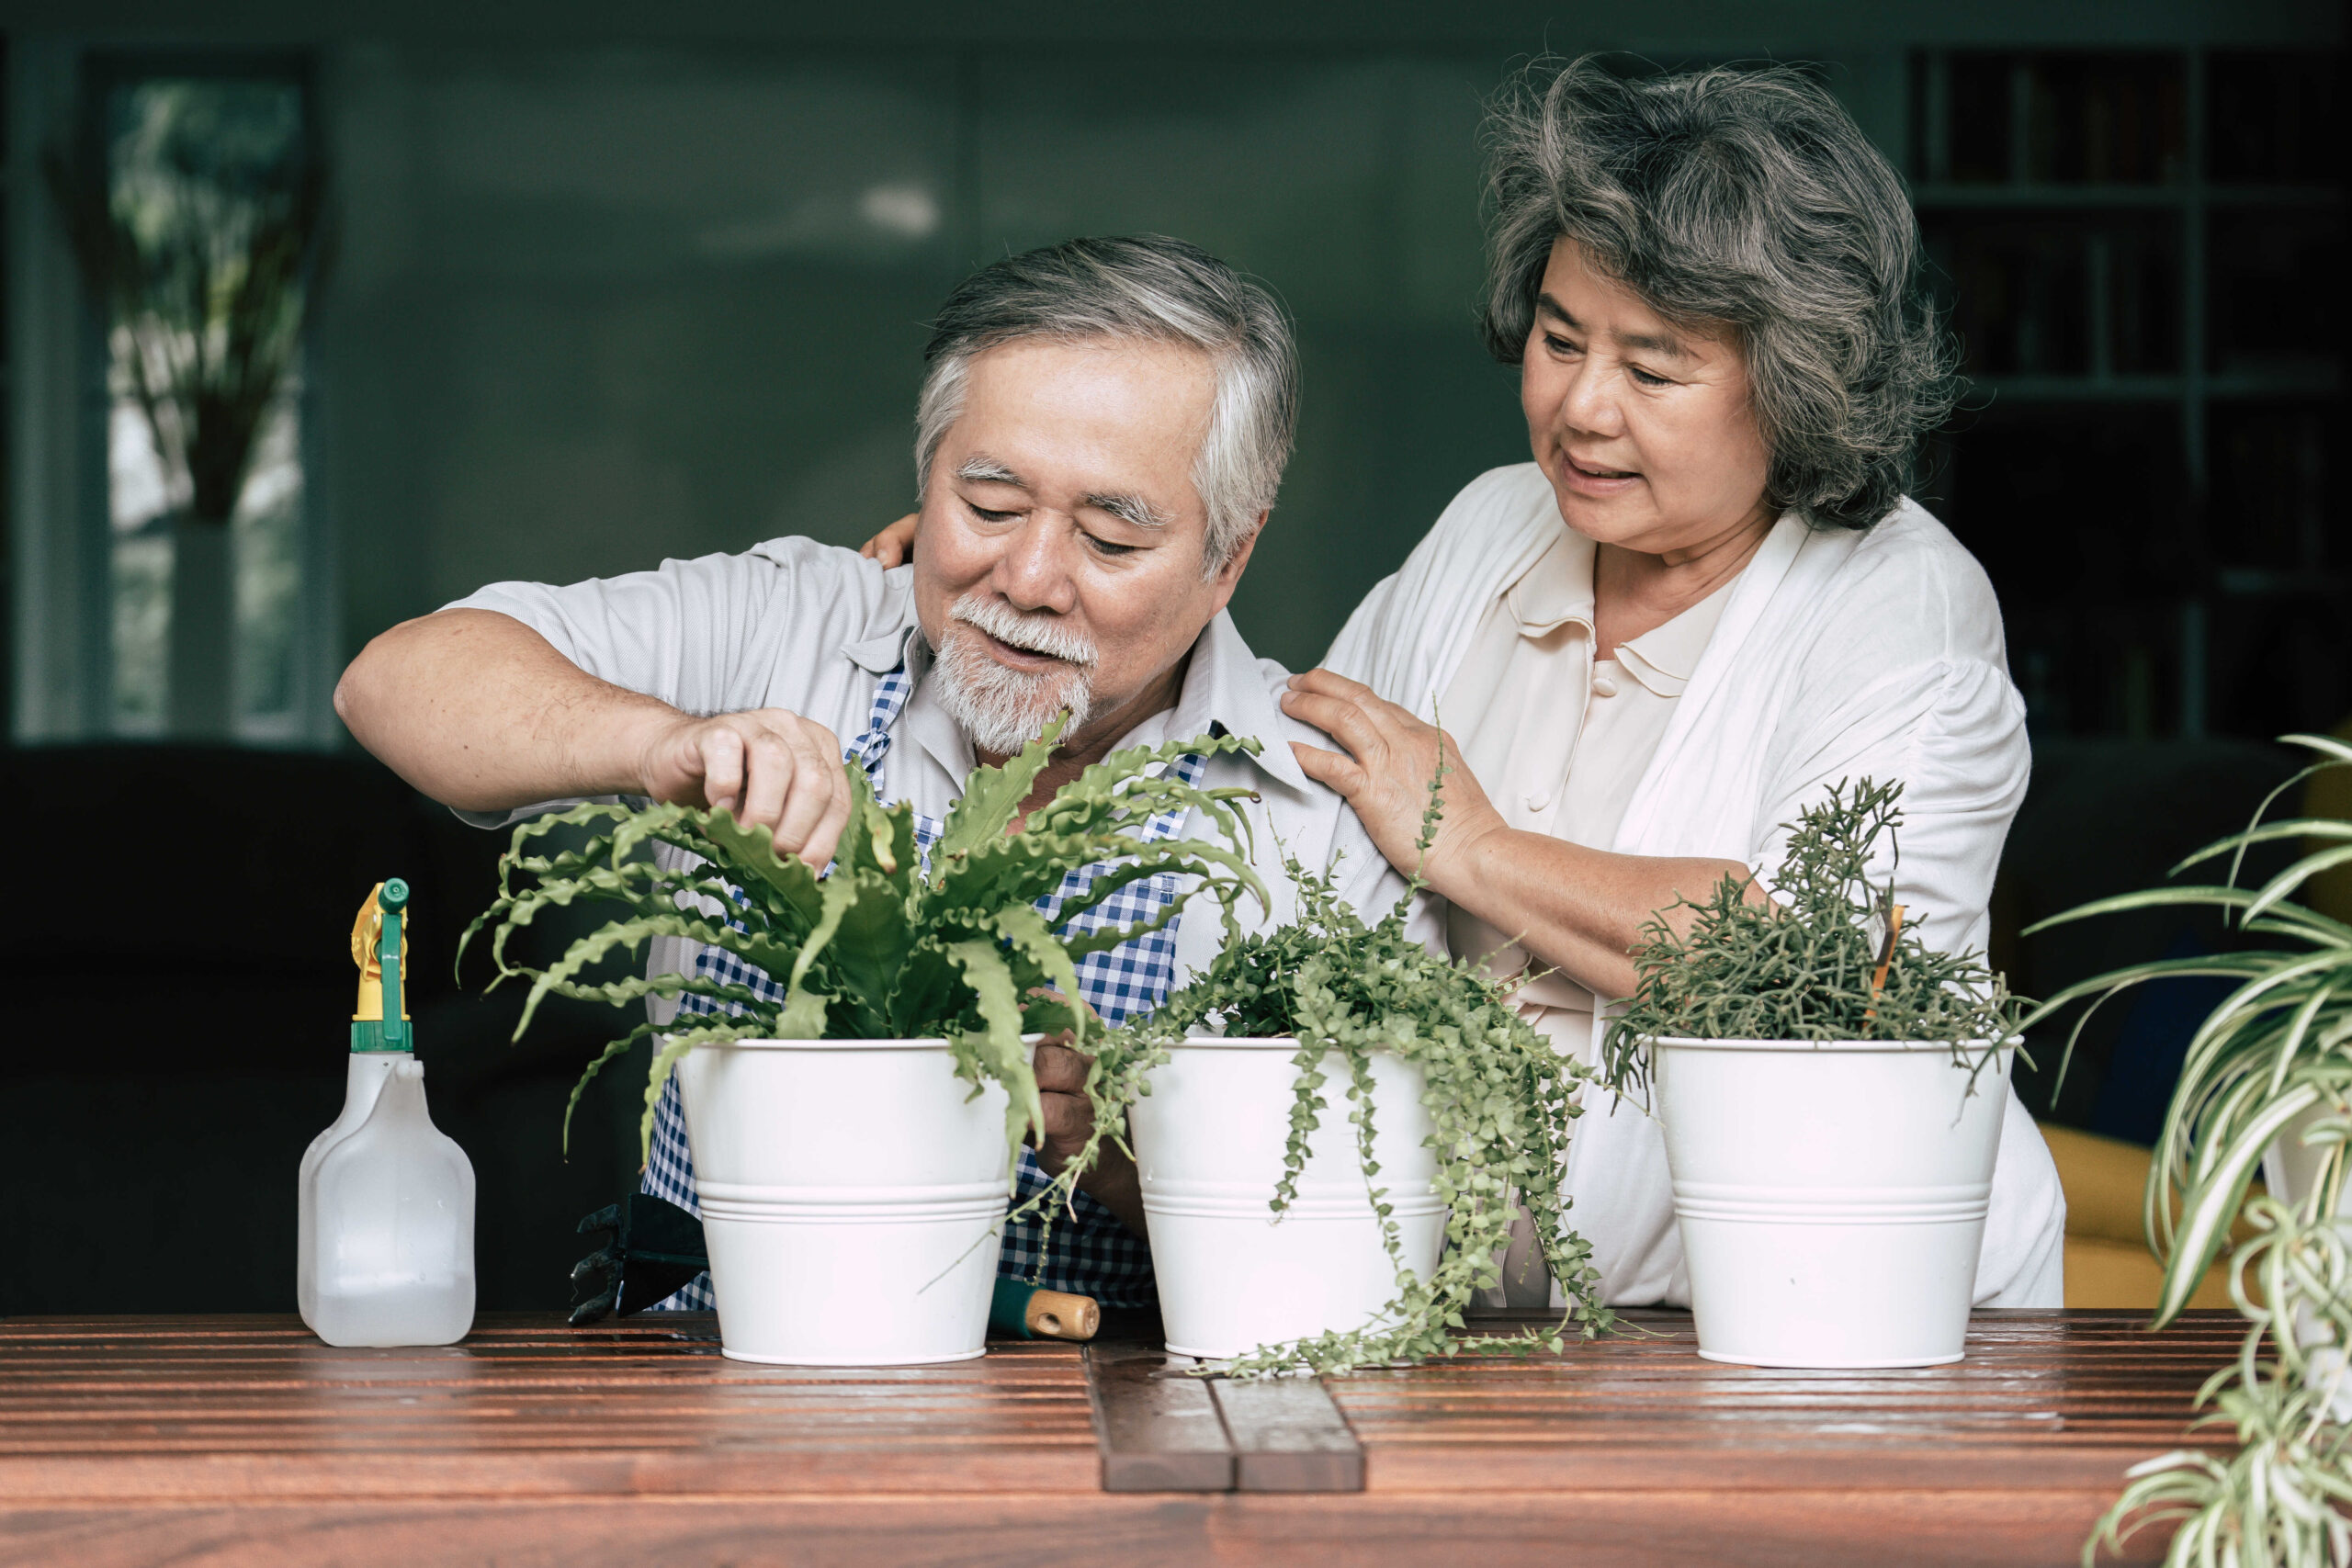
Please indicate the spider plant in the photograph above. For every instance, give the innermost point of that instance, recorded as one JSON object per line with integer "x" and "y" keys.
{"x": 2273, "y": 1059}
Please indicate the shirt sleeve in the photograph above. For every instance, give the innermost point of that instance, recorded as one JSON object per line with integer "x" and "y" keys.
{"x": 1953, "y": 732}
{"x": 687, "y": 633}
{"x": 717, "y": 634}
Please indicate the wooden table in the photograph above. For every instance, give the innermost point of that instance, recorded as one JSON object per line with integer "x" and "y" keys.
{"x": 245, "y": 1441}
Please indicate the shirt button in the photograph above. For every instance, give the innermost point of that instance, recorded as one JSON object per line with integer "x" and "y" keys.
{"x": 1603, "y": 686}
{"x": 1538, "y": 800}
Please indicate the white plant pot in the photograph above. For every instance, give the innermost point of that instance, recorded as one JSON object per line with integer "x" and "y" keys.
{"x": 851, "y": 1191}
{"x": 2291, "y": 1169}
{"x": 1831, "y": 1195}
{"x": 1209, "y": 1137}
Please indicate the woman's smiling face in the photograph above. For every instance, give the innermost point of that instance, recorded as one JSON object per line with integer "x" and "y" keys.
{"x": 1644, "y": 427}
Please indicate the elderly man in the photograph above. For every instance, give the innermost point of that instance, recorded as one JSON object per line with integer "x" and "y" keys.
{"x": 1101, "y": 428}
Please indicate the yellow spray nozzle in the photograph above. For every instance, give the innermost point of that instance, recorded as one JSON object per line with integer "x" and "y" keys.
{"x": 379, "y": 946}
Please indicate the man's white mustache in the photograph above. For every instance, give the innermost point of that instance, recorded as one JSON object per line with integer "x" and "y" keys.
{"x": 1031, "y": 634}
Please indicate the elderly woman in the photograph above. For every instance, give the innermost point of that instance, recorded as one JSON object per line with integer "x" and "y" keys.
{"x": 1707, "y": 599}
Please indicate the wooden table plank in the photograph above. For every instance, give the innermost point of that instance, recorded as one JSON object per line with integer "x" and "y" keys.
{"x": 1158, "y": 1429}
{"x": 260, "y": 1408}
{"x": 1288, "y": 1436}
{"x": 245, "y": 1441}
{"x": 1018, "y": 1530}
{"x": 2042, "y": 1400}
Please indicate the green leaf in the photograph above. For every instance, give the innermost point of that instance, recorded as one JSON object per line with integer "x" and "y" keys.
{"x": 804, "y": 1006}
{"x": 1025, "y": 932}
{"x": 999, "y": 1043}
{"x": 2208, "y": 1211}
{"x": 993, "y": 797}
{"x": 751, "y": 852}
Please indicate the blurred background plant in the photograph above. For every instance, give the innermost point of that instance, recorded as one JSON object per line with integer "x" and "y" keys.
{"x": 200, "y": 244}
{"x": 2267, "y": 1085}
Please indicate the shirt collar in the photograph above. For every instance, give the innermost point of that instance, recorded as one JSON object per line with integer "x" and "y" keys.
{"x": 1225, "y": 690}
{"x": 1557, "y": 589}
{"x": 880, "y": 655}
{"x": 925, "y": 722}
{"x": 1662, "y": 658}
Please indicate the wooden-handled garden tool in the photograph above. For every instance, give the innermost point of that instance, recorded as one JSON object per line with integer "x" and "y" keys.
{"x": 1032, "y": 1312}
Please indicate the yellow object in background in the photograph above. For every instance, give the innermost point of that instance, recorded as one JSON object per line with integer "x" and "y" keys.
{"x": 2108, "y": 1260}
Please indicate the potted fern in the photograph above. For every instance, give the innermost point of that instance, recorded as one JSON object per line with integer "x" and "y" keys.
{"x": 1831, "y": 1091}
{"x": 1287, "y": 1239}
{"x": 2266, "y": 1085}
{"x": 911, "y": 983}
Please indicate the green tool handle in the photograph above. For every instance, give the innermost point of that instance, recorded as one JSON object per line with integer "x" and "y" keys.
{"x": 1025, "y": 1311}
{"x": 395, "y": 1032}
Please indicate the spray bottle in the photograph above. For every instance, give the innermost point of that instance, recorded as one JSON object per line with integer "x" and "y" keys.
{"x": 385, "y": 1254}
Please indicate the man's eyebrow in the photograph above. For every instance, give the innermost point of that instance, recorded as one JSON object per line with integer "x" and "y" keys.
{"x": 1649, "y": 343}
{"x": 1129, "y": 509}
{"x": 980, "y": 470}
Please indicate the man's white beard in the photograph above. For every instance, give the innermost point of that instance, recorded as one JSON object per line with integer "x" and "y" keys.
{"x": 1003, "y": 709}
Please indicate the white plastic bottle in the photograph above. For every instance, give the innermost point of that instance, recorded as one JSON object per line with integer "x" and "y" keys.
{"x": 368, "y": 1071}
{"x": 386, "y": 1248}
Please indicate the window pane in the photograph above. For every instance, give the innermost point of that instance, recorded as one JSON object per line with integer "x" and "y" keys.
{"x": 268, "y": 566}
{"x": 199, "y": 172}
{"x": 139, "y": 505}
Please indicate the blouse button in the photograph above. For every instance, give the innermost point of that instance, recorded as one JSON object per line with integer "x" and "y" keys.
{"x": 1538, "y": 800}
{"x": 1603, "y": 686}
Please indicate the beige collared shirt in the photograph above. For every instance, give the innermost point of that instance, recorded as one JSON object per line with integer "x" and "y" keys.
{"x": 1559, "y": 739}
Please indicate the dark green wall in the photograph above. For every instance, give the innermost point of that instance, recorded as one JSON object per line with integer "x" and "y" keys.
{"x": 597, "y": 307}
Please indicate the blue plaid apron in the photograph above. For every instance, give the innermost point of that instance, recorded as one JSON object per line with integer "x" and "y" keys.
{"x": 1090, "y": 1252}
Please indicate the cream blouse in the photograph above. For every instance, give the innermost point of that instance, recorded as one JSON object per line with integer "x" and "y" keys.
{"x": 1838, "y": 655}
{"x": 1559, "y": 739}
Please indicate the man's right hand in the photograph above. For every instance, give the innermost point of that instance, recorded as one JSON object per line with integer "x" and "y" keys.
{"x": 770, "y": 768}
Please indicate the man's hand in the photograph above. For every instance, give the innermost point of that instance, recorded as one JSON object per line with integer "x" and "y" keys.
{"x": 771, "y": 768}
{"x": 894, "y": 546}
{"x": 1069, "y": 1122}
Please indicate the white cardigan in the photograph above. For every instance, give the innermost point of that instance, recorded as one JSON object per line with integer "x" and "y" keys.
{"x": 1839, "y": 656}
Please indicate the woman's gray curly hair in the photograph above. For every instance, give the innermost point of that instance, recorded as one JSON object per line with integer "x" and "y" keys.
{"x": 1737, "y": 198}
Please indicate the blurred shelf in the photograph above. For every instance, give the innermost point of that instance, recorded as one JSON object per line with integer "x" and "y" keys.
{"x": 2263, "y": 582}
{"x": 2054, "y": 196}
{"x": 2233, "y": 385}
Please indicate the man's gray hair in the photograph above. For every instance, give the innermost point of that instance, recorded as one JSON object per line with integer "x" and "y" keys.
{"x": 1737, "y": 198}
{"x": 1144, "y": 288}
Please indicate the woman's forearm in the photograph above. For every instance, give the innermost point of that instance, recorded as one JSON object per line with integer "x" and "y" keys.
{"x": 479, "y": 712}
{"x": 1575, "y": 909}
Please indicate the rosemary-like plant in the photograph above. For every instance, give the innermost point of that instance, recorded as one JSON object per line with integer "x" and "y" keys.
{"x": 1816, "y": 962}
{"x": 1501, "y": 1099}
{"x": 882, "y": 946}
{"x": 2276, "y": 1052}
